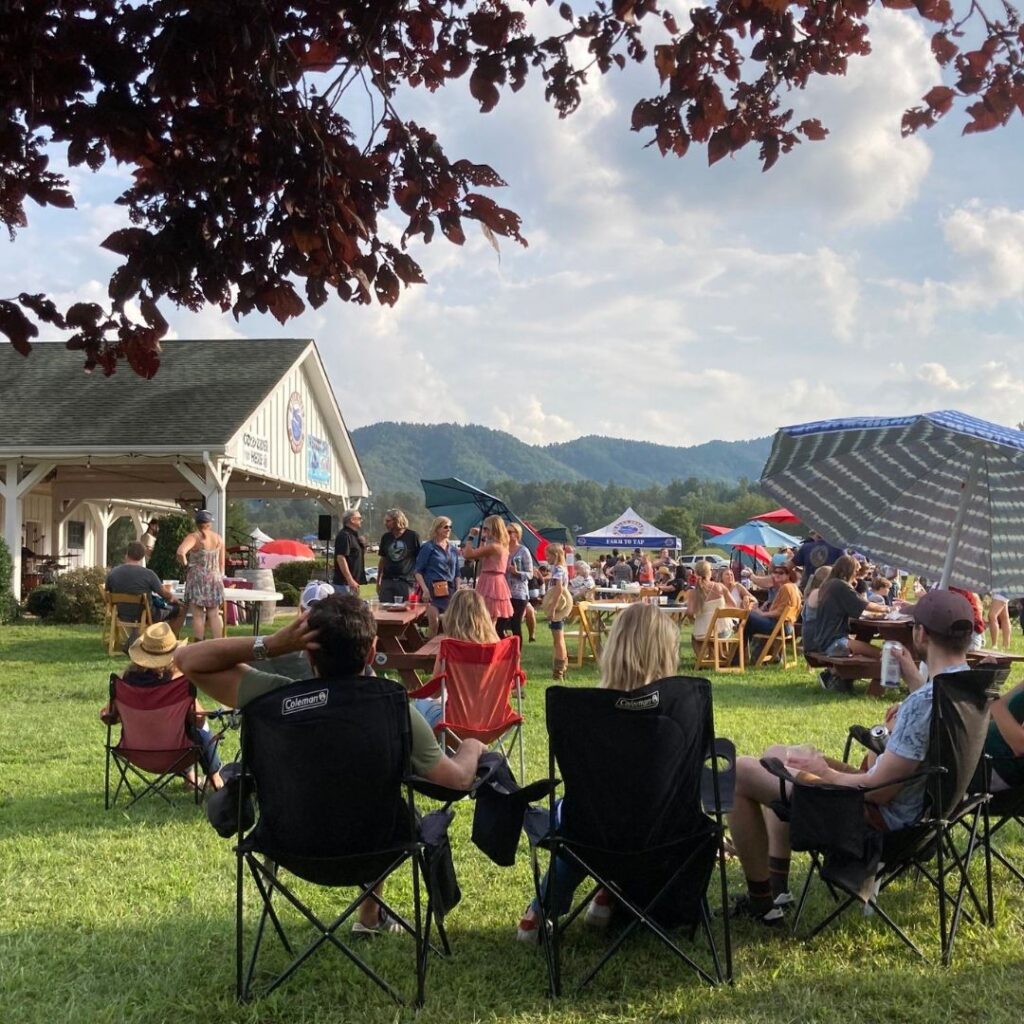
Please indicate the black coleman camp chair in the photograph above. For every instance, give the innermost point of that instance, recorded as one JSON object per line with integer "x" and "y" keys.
{"x": 857, "y": 862}
{"x": 330, "y": 766}
{"x": 633, "y": 765}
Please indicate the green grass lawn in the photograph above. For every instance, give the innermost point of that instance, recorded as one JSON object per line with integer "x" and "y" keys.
{"x": 113, "y": 916}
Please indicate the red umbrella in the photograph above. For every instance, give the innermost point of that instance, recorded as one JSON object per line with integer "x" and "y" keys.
{"x": 779, "y": 515}
{"x": 292, "y": 548}
{"x": 714, "y": 530}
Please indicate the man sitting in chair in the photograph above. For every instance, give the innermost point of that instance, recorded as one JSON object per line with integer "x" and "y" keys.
{"x": 132, "y": 577}
{"x": 943, "y": 624}
{"x": 339, "y": 636}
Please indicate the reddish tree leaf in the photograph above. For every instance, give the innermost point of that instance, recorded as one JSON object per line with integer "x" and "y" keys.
{"x": 718, "y": 146}
{"x": 43, "y": 308}
{"x": 935, "y": 10}
{"x": 17, "y": 327}
{"x": 152, "y": 315}
{"x": 124, "y": 241}
{"x": 940, "y": 99}
{"x": 812, "y": 129}
{"x": 665, "y": 61}
{"x": 386, "y": 286}
{"x": 83, "y": 314}
{"x": 484, "y": 91}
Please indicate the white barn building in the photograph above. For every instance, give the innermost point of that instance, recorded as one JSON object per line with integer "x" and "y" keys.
{"x": 249, "y": 418}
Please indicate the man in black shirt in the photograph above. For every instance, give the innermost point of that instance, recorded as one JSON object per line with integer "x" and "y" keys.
{"x": 348, "y": 554}
{"x": 812, "y": 554}
{"x": 396, "y": 571}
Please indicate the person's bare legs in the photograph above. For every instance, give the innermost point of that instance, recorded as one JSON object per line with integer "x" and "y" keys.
{"x": 433, "y": 620}
{"x": 215, "y": 622}
{"x": 177, "y": 621}
{"x": 862, "y": 647}
{"x": 530, "y": 621}
{"x": 999, "y": 623}
{"x": 198, "y": 622}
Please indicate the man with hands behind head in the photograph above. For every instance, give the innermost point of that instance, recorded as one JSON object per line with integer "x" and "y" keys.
{"x": 339, "y": 637}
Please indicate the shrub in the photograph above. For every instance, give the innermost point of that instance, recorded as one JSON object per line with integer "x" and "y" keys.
{"x": 42, "y": 600}
{"x": 164, "y": 560}
{"x": 8, "y": 606}
{"x": 80, "y": 596}
{"x": 294, "y": 574}
{"x": 289, "y": 595}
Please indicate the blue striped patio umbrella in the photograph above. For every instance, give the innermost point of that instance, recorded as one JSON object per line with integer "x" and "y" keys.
{"x": 940, "y": 493}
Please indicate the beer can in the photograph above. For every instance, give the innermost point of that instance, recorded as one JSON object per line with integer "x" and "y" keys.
{"x": 890, "y": 673}
{"x": 879, "y": 732}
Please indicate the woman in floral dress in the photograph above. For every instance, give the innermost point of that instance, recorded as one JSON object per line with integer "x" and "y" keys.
{"x": 202, "y": 553}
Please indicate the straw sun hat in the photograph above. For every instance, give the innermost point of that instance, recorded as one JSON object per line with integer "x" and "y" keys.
{"x": 155, "y": 646}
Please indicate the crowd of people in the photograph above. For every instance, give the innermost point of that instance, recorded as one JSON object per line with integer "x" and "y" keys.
{"x": 334, "y": 638}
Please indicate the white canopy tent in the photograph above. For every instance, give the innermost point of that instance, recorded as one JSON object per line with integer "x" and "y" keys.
{"x": 628, "y": 531}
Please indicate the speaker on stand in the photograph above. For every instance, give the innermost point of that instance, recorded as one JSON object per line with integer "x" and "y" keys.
{"x": 324, "y": 532}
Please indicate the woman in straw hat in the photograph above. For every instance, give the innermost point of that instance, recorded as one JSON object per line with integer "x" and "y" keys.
{"x": 152, "y": 657}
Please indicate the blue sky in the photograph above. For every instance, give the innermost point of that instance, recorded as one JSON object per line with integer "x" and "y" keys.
{"x": 661, "y": 299}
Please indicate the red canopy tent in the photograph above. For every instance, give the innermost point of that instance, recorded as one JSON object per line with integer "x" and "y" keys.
{"x": 777, "y": 516}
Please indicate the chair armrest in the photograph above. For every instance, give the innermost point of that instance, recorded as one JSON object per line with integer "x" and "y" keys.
{"x": 425, "y": 787}
{"x": 724, "y": 750}
{"x": 428, "y": 689}
{"x": 784, "y": 775}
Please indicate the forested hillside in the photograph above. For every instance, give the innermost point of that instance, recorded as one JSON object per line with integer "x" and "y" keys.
{"x": 395, "y": 456}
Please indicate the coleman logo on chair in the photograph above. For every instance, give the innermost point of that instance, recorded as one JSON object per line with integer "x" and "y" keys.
{"x": 638, "y": 703}
{"x": 304, "y": 702}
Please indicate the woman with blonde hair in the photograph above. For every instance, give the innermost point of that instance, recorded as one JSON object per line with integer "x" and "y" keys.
{"x": 492, "y": 551}
{"x": 642, "y": 647}
{"x": 703, "y": 601}
{"x": 437, "y": 565}
{"x": 202, "y": 554}
{"x": 555, "y": 605}
{"x": 466, "y": 618}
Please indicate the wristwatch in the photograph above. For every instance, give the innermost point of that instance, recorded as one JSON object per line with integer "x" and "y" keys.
{"x": 259, "y": 649}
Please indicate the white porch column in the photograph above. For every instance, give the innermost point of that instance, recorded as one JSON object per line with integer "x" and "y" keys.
{"x": 13, "y": 492}
{"x": 197, "y": 482}
{"x": 218, "y": 472}
{"x": 102, "y": 518}
{"x": 136, "y": 517}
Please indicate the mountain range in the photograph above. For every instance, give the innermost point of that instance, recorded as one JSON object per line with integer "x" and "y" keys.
{"x": 395, "y": 456}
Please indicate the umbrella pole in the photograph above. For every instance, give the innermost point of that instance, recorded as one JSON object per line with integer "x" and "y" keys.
{"x": 966, "y": 490}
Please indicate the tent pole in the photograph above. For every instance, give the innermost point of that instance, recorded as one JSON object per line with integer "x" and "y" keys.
{"x": 966, "y": 489}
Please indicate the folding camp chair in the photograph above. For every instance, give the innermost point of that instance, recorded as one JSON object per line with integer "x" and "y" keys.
{"x": 585, "y": 634}
{"x": 129, "y": 613}
{"x": 330, "y": 766}
{"x": 154, "y": 747}
{"x": 1003, "y": 808}
{"x": 633, "y": 765}
{"x": 475, "y": 684}
{"x": 857, "y": 862}
{"x": 724, "y": 653}
{"x": 778, "y": 643}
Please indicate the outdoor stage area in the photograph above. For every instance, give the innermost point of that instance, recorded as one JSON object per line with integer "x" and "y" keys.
{"x": 128, "y": 917}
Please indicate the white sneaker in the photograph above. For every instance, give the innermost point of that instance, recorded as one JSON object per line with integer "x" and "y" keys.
{"x": 599, "y": 910}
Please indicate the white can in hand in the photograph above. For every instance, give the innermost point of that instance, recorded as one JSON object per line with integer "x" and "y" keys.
{"x": 890, "y": 672}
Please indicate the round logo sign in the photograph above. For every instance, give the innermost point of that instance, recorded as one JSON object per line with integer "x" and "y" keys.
{"x": 295, "y": 421}
{"x": 629, "y": 528}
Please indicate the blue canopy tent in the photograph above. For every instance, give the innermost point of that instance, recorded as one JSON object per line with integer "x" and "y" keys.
{"x": 628, "y": 531}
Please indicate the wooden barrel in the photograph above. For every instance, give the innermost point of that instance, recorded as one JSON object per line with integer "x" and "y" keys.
{"x": 261, "y": 579}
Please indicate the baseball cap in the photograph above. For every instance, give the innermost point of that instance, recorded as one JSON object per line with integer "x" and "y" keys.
{"x": 202, "y": 516}
{"x": 945, "y": 614}
{"x": 314, "y": 591}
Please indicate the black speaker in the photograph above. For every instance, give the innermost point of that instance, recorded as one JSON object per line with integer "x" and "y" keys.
{"x": 323, "y": 531}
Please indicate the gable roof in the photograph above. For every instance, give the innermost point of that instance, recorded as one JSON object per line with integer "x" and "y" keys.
{"x": 202, "y": 394}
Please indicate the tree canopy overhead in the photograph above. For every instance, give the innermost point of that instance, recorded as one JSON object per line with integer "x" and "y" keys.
{"x": 253, "y": 180}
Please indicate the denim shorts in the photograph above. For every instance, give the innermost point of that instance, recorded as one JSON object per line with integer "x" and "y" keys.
{"x": 556, "y": 627}
{"x": 839, "y": 648}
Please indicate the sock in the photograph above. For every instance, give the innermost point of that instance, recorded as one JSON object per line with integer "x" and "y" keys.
{"x": 778, "y": 875}
{"x": 760, "y": 893}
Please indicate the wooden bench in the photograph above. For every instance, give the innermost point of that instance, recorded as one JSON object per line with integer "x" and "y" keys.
{"x": 857, "y": 666}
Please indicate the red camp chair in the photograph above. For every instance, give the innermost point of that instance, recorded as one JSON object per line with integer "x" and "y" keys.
{"x": 153, "y": 741}
{"x": 476, "y": 683}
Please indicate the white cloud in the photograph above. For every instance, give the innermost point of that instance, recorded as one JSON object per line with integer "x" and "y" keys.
{"x": 990, "y": 244}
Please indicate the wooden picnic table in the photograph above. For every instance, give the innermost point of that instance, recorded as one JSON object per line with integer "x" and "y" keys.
{"x": 400, "y": 647}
